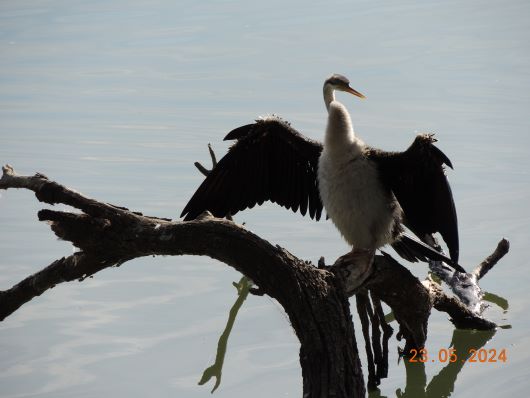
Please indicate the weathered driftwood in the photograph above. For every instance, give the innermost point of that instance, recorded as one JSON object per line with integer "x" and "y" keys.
{"x": 315, "y": 299}
{"x": 106, "y": 235}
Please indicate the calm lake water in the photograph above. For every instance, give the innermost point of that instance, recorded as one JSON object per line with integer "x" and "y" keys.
{"x": 117, "y": 99}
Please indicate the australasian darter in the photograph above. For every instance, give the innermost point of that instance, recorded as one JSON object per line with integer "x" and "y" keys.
{"x": 367, "y": 193}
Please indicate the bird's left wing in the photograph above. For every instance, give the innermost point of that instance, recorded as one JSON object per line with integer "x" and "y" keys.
{"x": 269, "y": 161}
{"x": 417, "y": 179}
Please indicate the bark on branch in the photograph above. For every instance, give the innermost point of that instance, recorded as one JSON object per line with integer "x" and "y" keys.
{"x": 315, "y": 299}
{"x": 106, "y": 235}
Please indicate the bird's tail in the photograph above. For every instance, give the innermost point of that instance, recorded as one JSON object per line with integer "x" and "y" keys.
{"x": 414, "y": 250}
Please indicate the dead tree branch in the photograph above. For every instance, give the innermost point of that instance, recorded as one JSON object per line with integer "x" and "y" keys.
{"x": 106, "y": 235}
{"x": 315, "y": 299}
{"x": 482, "y": 269}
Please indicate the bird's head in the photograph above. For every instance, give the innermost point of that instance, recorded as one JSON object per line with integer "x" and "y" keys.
{"x": 340, "y": 83}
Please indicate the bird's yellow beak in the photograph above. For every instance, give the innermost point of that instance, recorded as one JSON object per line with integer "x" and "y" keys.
{"x": 354, "y": 92}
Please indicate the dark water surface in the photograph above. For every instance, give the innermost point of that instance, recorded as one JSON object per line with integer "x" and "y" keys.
{"x": 117, "y": 99}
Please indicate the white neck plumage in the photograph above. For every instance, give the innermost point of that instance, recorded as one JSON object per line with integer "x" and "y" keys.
{"x": 329, "y": 95}
{"x": 339, "y": 132}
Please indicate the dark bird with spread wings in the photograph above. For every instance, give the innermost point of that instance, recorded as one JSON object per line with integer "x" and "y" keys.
{"x": 369, "y": 194}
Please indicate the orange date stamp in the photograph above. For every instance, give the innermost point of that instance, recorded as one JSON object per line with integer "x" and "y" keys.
{"x": 444, "y": 355}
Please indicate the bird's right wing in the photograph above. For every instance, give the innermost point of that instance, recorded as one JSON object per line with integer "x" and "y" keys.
{"x": 417, "y": 179}
{"x": 269, "y": 161}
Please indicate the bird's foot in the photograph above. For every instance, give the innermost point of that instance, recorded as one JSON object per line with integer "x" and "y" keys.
{"x": 356, "y": 267}
{"x": 362, "y": 258}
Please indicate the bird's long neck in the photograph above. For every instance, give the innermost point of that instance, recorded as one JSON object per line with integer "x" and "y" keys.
{"x": 340, "y": 137}
{"x": 329, "y": 95}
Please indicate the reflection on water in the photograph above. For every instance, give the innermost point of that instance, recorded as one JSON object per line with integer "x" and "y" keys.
{"x": 495, "y": 299}
{"x": 117, "y": 99}
{"x": 216, "y": 370}
{"x": 443, "y": 383}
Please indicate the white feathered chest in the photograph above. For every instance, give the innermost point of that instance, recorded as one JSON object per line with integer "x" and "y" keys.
{"x": 353, "y": 196}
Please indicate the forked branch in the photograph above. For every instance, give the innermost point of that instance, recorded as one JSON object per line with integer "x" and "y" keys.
{"x": 315, "y": 298}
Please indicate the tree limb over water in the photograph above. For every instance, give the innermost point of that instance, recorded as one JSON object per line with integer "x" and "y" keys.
{"x": 314, "y": 298}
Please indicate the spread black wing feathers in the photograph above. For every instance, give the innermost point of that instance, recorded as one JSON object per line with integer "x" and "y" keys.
{"x": 269, "y": 161}
{"x": 272, "y": 161}
{"x": 417, "y": 179}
